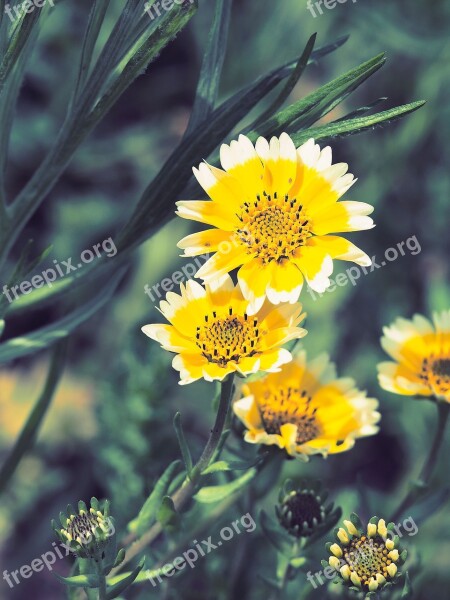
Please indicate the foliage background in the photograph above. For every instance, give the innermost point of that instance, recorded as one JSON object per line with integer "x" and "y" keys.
{"x": 109, "y": 432}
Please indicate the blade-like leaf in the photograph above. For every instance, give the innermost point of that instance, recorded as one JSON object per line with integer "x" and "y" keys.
{"x": 124, "y": 583}
{"x": 209, "y": 80}
{"x": 215, "y": 493}
{"x": 358, "y": 125}
{"x": 84, "y": 581}
{"x": 31, "y": 427}
{"x": 290, "y": 84}
{"x": 148, "y": 512}
{"x": 44, "y": 337}
{"x": 318, "y": 102}
{"x": 233, "y": 465}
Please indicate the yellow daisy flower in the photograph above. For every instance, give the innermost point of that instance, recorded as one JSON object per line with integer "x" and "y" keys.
{"x": 422, "y": 354}
{"x": 273, "y": 207}
{"x": 213, "y": 335}
{"x": 306, "y": 410}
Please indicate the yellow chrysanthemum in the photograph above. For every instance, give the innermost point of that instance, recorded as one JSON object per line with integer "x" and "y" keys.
{"x": 273, "y": 207}
{"x": 422, "y": 354}
{"x": 213, "y": 334}
{"x": 306, "y": 410}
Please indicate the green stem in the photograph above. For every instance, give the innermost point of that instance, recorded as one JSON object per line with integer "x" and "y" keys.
{"x": 101, "y": 579}
{"x": 31, "y": 427}
{"x": 187, "y": 489}
{"x": 429, "y": 466}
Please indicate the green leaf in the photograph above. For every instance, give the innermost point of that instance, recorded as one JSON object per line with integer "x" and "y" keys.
{"x": 96, "y": 18}
{"x": 320, "y": 101}
{"x": 85, "y": 581}
{"x": 167, "y": 514}
{"x": 50, "y": 334}
{"x": 216, "y": 493}
{"x": 185, "y": 452}
{"x": 209, "y": 80}
{"x": 358, "y": 125}
{"x": 302, "y": 63}
{"x": 124, "y": 583}
{"x": 276, "y": 534}
{"x": 148, "y": 512}
{"x": 232, "y": 465}
{"x": 29, "y": 432}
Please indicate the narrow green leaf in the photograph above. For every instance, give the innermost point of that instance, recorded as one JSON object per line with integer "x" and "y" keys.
{"x": 44, "y": 337}
{"x": 167, "y": 514}
{"x": 358, "y": 125}
{"x": 185, "y": 452}
{"x": 318, "y": 102}
{"x": 291, "y": 82}
{"x": 123, "y": 584}
{"x": 216, "y": 493}
{"x": 362, "y": 110}
{"x": 29, "y": 432}
{"x": 95, "y": 22}
{"x": 209, "y": 80}
{"x": 85, "y": 581}
{"x": 232, "y": 465}
{"x": 148, "y": 512}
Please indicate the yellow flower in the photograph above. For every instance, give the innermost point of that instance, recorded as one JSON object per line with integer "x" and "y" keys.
{"x": 213, "y": 334}
{"x": 422, "y": 354}
{"x": 306, "y": 410}
{"x": 273, "y": 207}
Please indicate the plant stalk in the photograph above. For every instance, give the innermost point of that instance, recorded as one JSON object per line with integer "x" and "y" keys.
{"x": 443, "y": 409}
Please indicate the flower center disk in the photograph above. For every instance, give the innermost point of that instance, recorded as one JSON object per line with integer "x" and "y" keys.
{"x": 223, "y": 339}
{"x": 290, "y": 405}
{"x": 367, "y": 557}
{"x": 436, "y": 374}
{"x": 272, "y": 228}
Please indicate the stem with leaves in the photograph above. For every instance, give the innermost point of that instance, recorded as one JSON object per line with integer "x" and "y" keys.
{"x": 187, "y": 489}
{"x": 443, "y": 409}
{"x": 102, "y": 595}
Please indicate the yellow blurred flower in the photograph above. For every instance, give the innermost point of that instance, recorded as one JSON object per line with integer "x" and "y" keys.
{"x": 305, "y": 410}
{"x": 213, "y": 334}
{"x": 71, "y": 415}
{"x": 273, "y": 207}
{"x": 421, "y": 351}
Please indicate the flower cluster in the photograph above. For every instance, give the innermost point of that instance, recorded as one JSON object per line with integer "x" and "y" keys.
{"x": 275, "y": 210}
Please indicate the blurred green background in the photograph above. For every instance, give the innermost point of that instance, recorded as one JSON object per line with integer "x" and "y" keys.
{"x": 109, "y": 432}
